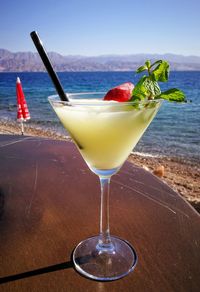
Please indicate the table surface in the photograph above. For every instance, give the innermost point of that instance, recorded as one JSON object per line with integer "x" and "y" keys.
{"x": 49, "y": 202}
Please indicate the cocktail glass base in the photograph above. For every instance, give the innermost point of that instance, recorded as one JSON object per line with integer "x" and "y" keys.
{"x": 104, "y": 264}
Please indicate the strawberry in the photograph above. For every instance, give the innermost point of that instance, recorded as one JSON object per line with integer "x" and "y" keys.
{"x": 120, "y": 93}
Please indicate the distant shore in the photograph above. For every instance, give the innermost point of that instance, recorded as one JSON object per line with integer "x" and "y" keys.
{"x": 181, "y": 176}
{"x": 30, "y": 62}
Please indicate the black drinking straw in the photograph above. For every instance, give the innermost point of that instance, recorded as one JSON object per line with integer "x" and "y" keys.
{"x": 48, "y": 65}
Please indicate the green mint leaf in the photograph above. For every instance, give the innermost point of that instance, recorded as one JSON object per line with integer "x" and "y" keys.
{"x": 148, "y": 64}
{"x": 140, "y": 92}
{"x": 141, "y": 69}
{"x": 173, "y": 94}
{"x": 147, "y": 88}
{"x": 161, "y": 72}
{"x": 152, "y": 87}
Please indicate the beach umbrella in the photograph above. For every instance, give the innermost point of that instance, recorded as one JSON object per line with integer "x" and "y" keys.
{"x": 22, "y": 108}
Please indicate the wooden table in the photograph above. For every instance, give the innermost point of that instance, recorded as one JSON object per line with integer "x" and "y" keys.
{"x": 49, "y": 202}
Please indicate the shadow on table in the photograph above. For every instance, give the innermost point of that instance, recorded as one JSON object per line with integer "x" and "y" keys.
{"x": 49, "y": 269}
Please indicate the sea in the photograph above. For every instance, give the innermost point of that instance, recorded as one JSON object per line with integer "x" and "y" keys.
{"x": 175, "y": 131}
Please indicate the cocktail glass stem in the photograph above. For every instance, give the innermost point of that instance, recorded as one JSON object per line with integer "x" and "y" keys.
{"x": 105, "y": 243}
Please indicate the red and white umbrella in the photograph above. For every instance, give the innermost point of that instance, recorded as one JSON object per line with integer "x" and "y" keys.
{"x": 22, "y": 108}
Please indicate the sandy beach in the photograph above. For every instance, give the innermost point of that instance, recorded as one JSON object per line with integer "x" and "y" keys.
{"x": 183, "y": 177}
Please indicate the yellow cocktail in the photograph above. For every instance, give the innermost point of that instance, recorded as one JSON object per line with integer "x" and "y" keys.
{"x": 105, "y": 131}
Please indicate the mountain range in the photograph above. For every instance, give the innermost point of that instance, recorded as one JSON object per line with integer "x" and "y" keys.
{"x": 31, "y": 62}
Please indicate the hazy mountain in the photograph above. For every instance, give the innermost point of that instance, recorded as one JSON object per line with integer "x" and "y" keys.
{"x": 31, "y": 62}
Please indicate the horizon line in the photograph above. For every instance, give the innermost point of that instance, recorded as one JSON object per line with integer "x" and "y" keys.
{"x": 106, "y": 54}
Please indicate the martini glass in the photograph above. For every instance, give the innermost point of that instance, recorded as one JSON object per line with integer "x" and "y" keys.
{"x": 105, "y": 132}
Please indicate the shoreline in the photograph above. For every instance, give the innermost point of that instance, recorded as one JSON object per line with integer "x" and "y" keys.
{"x": 182, "y": 176}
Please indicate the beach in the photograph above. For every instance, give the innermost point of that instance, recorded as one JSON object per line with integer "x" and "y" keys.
{"x": 182, "y": 176}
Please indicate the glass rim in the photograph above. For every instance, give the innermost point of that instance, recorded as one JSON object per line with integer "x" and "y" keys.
{"x": 56, "y": 98}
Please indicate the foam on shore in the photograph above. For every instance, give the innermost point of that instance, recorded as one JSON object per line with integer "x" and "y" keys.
{"x": 146, "y": 154}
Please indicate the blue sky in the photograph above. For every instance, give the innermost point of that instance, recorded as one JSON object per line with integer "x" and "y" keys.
{"x": 98, "y": 27}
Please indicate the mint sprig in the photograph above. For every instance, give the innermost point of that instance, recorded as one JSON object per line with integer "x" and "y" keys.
{"x": 148, "y": 88}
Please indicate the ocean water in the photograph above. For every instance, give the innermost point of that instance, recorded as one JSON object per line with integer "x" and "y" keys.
{"x": 174, "y": 132}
